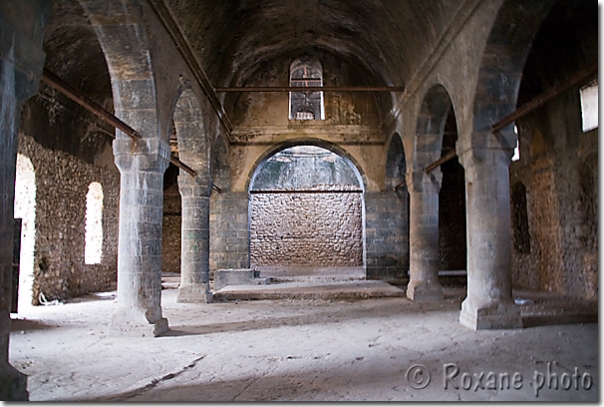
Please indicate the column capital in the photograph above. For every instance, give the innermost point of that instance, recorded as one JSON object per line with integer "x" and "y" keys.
{"x": 197, "y": 186}
{"x": 141, "y": 155}
{"x": 420, "y": 181}
{"x": 477, "y": 157}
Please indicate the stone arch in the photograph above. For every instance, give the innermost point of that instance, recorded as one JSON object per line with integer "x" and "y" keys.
{"x": 190, "y": 133}
{"x": 500, "y": 71}
{"x": 229, "y": 227}
{"x": 309, "y": 142}
{"x": 307, "y": 213}
{"x": 387, "y": 219}
{"x": 122, "y": 33}
{"x": 430, "y": 126}
{"x": 119, "y": 26}
{"x": 452, "y": 203}
{"x": 486, "y": 158}
{"x": 433, "y": 242}
{"x": 220, "y": 165}
{"x": 396, "y": 164}
{"x": 195, "y": 199}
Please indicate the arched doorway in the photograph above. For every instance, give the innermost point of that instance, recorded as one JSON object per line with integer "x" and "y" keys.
{"x": 307, "y": 214}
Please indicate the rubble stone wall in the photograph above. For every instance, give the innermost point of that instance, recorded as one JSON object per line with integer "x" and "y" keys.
{"x": 229, "y": 230}
{"x": 307, "y": 229}
{"x": 387, "y": 234}
{"x": 62, "y": 183}
{"x": 554, "y": 198}
{"x": 171, "y": 232}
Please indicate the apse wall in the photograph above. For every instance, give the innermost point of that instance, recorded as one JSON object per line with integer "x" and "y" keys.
{"x": 306, "y": 210}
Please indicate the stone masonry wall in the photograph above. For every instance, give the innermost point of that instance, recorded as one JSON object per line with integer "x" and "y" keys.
{"x": 61, "y": 186}
{"x": 306, "y": 229}
{"x": 171, "y": 231}
{"x": 558, "y": 174}
{"x": 387, "y": 234}
{"x": 229, "y": 234}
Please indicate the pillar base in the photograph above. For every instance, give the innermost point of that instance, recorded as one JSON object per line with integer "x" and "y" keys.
{"x": 496, "y": 315}
{"x": 13, "y": 384}
{"x": 422, "y": 290}
{"x": 194, "y": 293}
{"x": 133, "y": 322}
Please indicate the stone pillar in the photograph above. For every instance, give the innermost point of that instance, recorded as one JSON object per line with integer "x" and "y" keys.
{"x": 142, "y": 164}
{"x": 21, "y": 63}
{"x": 489, "y": 303}
{"x": 195, "y": 255}
{"x": 230, "y": 231}
{"x": 423, "y": 236}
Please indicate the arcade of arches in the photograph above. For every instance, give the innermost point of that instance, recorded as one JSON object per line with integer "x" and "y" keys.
{"x": 280, "y": 182}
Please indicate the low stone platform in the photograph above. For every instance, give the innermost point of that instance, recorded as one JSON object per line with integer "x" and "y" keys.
{"x": 310, "y": 289}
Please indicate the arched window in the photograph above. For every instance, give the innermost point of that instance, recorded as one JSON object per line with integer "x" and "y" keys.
{"x": 93, "y": 249}
{"x": 306, "y": 72}
{"x": 589, "y": 106}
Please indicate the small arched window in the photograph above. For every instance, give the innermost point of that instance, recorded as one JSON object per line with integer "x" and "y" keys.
{"x": 304, "y": 73}
{"x": 93, "y": 248}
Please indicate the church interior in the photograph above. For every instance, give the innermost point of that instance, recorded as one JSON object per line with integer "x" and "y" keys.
{"x": 330, "y": 200}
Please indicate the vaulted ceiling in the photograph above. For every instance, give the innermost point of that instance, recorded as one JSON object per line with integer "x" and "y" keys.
{"x": 390, "y": 38}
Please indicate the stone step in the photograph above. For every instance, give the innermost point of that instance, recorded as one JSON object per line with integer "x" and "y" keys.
{"x": 352, "y": 290}
{"x": 312, "y": 279}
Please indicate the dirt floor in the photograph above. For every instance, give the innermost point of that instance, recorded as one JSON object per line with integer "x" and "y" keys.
{"x": 304, "y": 349}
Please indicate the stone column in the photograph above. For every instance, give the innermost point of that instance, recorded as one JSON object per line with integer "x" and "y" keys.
{"x": 195, "y": 255}
{"x": 489, "y": 303}
{"x": 423, "y": 236}
{"x": 21, "y": 63}
{"x": 142, "y": 164}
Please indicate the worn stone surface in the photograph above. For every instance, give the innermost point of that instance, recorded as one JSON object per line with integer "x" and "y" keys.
{"x": 224, "y": 277}
{"x": 423, "y": 236}
{"x": 560, "y": 203}
{"x": 195, "y": 253}
{"x": 229, "y": 230}
{"x": 21, "y": 62}
{"x": 298, "y": 350}
{"x": 171, "y": 231}
{"x": 298, "y": 229}
{"x": 473, "y": 52}
{"x": 142, "y": 164}
{"x": 489, "y": 303}
{"x": 387, "y": 236}
{"x": 61, "y": 186}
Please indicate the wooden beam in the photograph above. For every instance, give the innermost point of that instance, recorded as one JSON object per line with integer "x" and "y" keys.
{"x": 447, "y": 157}
{"x": 72, "y": 93}
{"x": 545, "y": 97}
{"x": 401, "y": 185}
{"x": 312, "y": 89}
{"x": 529, "y": 107}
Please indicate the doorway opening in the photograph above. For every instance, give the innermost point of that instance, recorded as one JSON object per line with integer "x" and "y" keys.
{"x": 25, "y": 209}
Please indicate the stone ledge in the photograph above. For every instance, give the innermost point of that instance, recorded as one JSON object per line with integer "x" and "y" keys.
{"x": 224, "y": 277}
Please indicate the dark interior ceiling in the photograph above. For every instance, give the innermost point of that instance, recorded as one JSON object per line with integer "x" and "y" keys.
{"x": 389, "y": 37}
{"x": 385, "y": 41}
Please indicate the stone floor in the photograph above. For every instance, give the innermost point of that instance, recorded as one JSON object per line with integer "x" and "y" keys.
{"x": 310, "y": 349}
